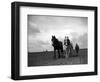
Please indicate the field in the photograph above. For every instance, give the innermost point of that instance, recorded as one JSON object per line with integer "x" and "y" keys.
{"x": 47, "y": 59}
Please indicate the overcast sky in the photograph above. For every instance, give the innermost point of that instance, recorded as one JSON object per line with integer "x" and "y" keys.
{"x": 41, "y": 29}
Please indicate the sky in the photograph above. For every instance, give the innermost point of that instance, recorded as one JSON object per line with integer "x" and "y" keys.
{"x": 42, "y": 27}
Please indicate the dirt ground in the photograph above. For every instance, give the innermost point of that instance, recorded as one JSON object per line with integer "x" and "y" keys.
{"x": 47, "y": 59}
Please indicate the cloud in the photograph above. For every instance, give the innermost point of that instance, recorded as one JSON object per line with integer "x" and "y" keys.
{"x": 38, "y": 46}
{"x": 41, "y": 28}
{"x": 32, "y": 29}
{"x": 58, "y": 22}
{"x": 82, "y": 40}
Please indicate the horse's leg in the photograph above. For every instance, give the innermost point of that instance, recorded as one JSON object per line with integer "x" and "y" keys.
{"x": 62, "y": 53}
{"x": 66, "y": 52}
{"x": 70, "y": 51}
{"x": 58, "y": 53}
{"x": 54, "y": 53}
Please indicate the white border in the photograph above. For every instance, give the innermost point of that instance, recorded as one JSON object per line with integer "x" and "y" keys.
{"x": 25, "y": 70}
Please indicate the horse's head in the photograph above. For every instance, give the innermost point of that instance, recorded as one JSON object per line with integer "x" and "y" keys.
{"x": 52, "y": 38}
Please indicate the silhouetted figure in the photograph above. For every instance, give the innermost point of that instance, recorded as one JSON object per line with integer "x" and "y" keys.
{"x": 46, "y": 50}
{"x": 77, "y": 48}
{"x": 57, "y": 46}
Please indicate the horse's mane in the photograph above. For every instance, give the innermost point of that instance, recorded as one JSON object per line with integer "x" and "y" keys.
{"x": 55, "y": 41}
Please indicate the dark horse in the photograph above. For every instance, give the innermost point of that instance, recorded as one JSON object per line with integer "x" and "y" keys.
{"x": 57, "y": 46}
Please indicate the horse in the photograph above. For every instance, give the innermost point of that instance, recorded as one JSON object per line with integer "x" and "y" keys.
{"x": 58, "y": 46}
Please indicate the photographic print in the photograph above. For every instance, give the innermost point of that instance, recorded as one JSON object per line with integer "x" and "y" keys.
{"x": 57, "y": 40}
{"x": 53, "y": 40}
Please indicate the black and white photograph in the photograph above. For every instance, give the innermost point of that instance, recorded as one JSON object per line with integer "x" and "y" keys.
{"x": 57, "y": 40}
{"x": 53, "y": 40}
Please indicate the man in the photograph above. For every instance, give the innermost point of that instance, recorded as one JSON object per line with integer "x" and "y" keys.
{"x": 66, "y": 41}
{"x": 67, "y": 45}
{"x": 77, "y": 48}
